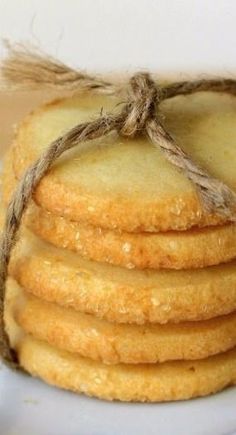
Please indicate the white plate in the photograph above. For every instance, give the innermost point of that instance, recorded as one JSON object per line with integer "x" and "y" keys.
{"x": 30, "y": 407}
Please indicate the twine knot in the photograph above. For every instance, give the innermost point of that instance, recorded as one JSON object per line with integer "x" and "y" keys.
{"x": 142, "y": 105}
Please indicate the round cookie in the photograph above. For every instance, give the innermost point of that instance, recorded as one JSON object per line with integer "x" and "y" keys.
{"x": 113, "y": 343}
{"x": 121, "y": 295}
{"x": 171, "y": 250}
{"x": 127, "y": 183}
{"x": 176, "y": 380}
{"x": 138, "y": 383}
{"x": 174, "y": 250}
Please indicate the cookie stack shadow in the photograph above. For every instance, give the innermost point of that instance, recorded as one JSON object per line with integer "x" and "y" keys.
{"x": 123, "y": 287}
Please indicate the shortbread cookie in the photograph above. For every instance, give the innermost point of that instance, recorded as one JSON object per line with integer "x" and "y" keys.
{"x": 176, "y": 380}
{"x": 113, "y": 343}
{"x": 171, "y": 250}
{"x": 139, "y": 383}
{"x": 174, "y": 250}
{"x": 121, "y": 295}
{"x": 128, "y": 184}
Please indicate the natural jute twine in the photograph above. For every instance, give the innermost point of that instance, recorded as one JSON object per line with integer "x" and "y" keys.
{"x": 139, "y": 115}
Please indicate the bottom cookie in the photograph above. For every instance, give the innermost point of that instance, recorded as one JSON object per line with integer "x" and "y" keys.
{"x": 141, "y": 383}
{"x": 168, "y": 381}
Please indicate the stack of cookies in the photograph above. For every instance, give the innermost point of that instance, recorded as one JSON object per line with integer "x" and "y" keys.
{"x": 122, "y": 286}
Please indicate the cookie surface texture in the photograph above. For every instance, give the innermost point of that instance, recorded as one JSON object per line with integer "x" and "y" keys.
{"x": 118, "y": 294}
{"x": 176, "y": 380}
{"x": 126, "y": 184}
{"x": 194, "y": 248}
{"x": 113, "y": 343}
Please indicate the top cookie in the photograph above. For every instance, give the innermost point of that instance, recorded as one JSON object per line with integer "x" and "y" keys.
{"x": 127, "y": 184}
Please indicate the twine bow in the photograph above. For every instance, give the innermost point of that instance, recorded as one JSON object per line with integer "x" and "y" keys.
{"x": 24, "y": 69}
